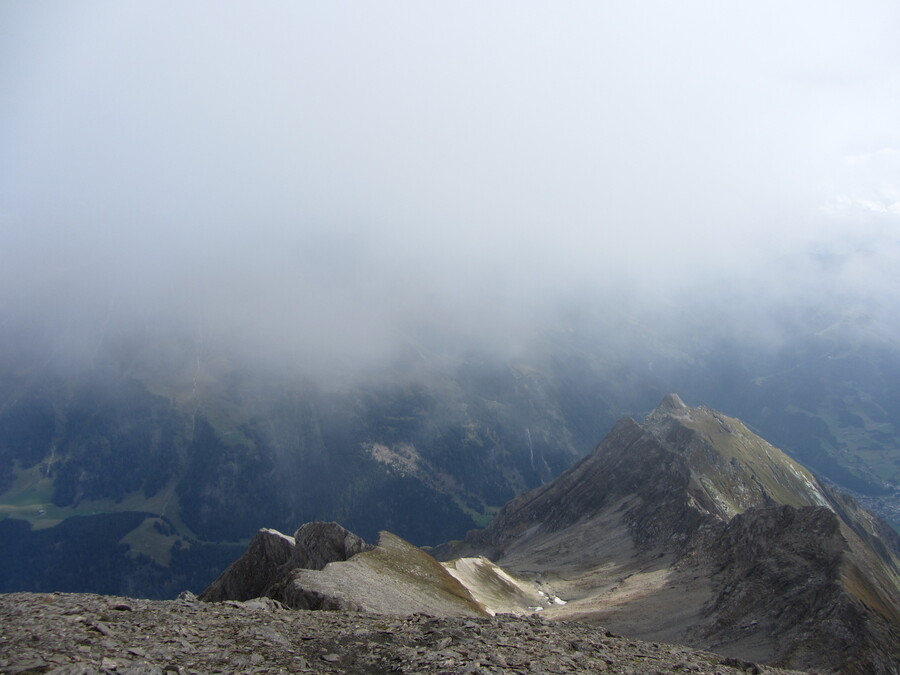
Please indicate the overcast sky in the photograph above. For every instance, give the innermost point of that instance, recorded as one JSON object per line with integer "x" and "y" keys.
{"x": 335, "y": 173}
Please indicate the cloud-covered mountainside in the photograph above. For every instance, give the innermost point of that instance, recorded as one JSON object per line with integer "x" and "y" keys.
{"x": 393, "y": 266}
{"x": 203, "y": 452}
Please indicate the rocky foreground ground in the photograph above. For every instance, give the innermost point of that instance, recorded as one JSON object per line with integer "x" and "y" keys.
{"x": 79, "y": 633}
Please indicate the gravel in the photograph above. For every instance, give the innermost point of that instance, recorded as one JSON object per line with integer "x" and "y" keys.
{"x": 81, "y": 633}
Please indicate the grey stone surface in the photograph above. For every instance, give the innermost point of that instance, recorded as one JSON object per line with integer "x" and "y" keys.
{"x": 80, "y": 634}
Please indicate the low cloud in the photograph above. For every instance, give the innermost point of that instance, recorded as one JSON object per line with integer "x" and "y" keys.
{"x": 344, "y": 184}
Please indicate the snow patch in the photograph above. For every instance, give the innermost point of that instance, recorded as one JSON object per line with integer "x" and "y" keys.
{"x": 269, "y": 530}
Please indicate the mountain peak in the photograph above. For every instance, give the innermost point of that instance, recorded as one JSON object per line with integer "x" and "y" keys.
{"x": 671, "y": 403}
{"x": 671, "y": 407}
{"x": 736, "y": 468}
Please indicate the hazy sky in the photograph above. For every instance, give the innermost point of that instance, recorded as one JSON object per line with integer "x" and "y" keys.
{"x": 333, "y": 173}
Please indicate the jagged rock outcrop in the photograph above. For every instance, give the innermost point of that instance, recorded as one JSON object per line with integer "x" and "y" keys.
{"x": 690, "y": 528}
{"x": 629, "y": 474}
{"x": 271, "y": 555}
{"x": 250, "y": 575}
{"x": 317, "y": 544}
{"x": 779, "y": 576}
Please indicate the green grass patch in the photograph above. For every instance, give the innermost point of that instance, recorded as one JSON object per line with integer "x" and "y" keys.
{"x": 31, "y": 498}
{"x": 481, "y": 518}
{"x": 154, "y": 539}
{"x": 786, "y": 481}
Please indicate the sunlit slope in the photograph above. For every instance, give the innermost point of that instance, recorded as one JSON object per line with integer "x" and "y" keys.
{"x": 497, "y": 590}
{"x": 394, "y": 577}
{"x": 735, "y": 467}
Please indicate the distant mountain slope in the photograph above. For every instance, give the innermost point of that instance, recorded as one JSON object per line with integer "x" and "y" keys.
{"x": 690, "y": 528}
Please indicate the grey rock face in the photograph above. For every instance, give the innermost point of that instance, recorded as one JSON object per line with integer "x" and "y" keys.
{"x": 250, "y": 575}
{"x": 271, "y": 555}
{"x": 630, "y": 472}
{"x": 779, "y": 576}
{"x": 317, "y": 544}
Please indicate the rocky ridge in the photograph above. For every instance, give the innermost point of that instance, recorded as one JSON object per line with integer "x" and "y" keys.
{"x": 69, "y": 634}
{"x": 272, "y": 555}
{"x": 689, "y": 528}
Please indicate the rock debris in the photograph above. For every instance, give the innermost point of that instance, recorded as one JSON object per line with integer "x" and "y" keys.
{"x": 74, "y": 634}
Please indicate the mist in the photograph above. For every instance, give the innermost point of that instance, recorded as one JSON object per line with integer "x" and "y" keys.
{"x": 340, "y": 184}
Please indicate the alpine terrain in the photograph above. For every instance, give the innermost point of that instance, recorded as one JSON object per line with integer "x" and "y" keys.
{"x": 686, "y": 528}
{"x": 154, "y": 459}
{"x": 690, "y": 528}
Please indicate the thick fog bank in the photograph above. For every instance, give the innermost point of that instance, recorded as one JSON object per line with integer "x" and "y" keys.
{"x": 339, "y": 188}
